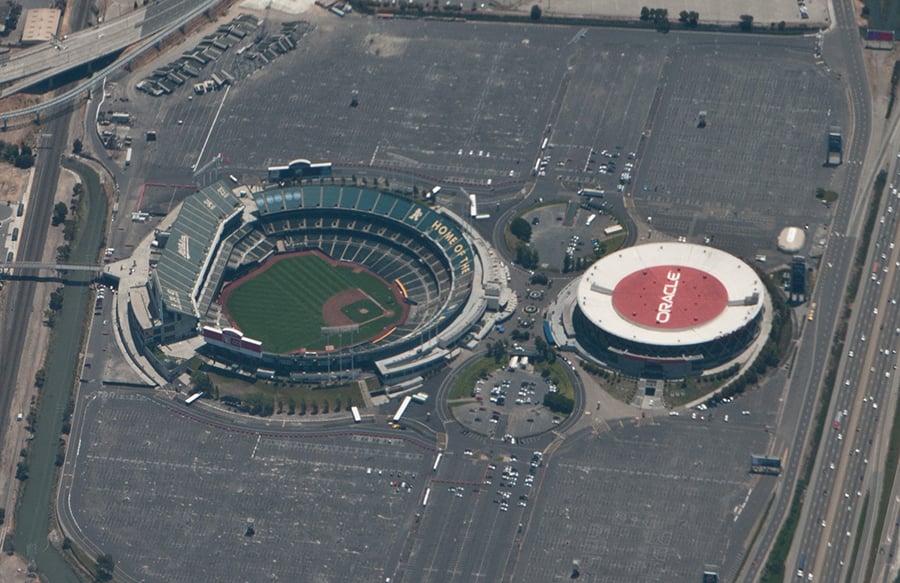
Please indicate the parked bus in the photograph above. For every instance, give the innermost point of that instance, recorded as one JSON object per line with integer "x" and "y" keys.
{"x": 193, "y": 398}
{"x": 437, "y": 462}
{"x": 427, "y": 494}
{"x": 354, "y": 410}
{"x": 420, "y": 397}
{"x": 613, "y": 230}
{"x": 401, "y": 409}
{"x": 513, "y": 363}
{"x": 590, "y": 219}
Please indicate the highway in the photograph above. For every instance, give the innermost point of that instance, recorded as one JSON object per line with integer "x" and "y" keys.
{"x": 119, "y": 27}
{"x": 42, "y": 61}
{"x": 810, "y": 358}
{"x": 848, "y": 465}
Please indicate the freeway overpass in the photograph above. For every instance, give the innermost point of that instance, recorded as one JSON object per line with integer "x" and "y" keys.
{"x": 25, "y": 68}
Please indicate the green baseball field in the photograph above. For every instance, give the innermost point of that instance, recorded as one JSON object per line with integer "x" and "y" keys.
{"x": 286, "y": 303}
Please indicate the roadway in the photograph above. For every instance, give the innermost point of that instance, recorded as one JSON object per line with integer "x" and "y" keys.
{"x": 814, "y": 344}
{"x": 848, "y": 465}
{"x": 119, "y": 30}
{"x": 42, "y": 61}
{"x": 842, "y": 474}
{"x": 17, "y": 305}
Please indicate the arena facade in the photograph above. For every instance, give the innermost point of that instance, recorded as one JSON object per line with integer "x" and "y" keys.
{"x": 667, "y": 310}
{"x": 442, "y": 266}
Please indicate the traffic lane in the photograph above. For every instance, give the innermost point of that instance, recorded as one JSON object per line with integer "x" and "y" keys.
{"x": 869, "y": 323}
{"x": 859, "y": 130}
{"x": 848, "y": 524}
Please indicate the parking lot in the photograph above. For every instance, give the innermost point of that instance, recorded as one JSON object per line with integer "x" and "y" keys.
{"x": 442, "y": 101}
{"x": 508, "y": 405}
{"x": 754, "y": 168}
{"x": 157, "y": 490}
{"x": 474, "y": 526}
{"x": 654, "y": 502}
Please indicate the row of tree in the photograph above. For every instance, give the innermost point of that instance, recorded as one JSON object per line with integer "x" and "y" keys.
{"x": 19, "y": 155}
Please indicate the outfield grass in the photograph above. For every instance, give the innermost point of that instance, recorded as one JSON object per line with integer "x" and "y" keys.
{"x": 282, "y": 306}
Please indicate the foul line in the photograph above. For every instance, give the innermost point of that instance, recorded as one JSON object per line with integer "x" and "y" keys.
{"x": 211, "y": 128}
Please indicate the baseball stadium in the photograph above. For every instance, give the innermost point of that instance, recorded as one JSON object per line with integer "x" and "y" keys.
{"x": 668, "y": 310}
{"x": 315, "y": 279}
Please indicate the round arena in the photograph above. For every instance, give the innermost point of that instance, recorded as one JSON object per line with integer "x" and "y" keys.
{"x": 668, "y": 310}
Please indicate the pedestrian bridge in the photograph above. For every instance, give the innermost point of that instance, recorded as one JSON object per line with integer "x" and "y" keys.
{"x": 19, "y": 269}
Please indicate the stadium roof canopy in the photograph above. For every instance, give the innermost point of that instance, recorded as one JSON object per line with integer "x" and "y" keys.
{"x": 429, "y": 222}
{"x": 191, "y": 245}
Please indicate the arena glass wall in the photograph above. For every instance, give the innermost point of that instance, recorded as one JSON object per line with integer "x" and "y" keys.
{"x": 662, "y": 361}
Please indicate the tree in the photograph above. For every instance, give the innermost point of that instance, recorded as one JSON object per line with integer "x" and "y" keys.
{"x": 661, "y": 20}
{"x": 526, "y": 257}
{"x": 645, "y": 14}
{"x": 689, "y": 19}
{"x": 536, "y": 12}
{"x": 521, "y": 229}
{"x": 56, "y": 299}
{"x": 558, "y": 403}
{"x": 60, "y": 212}
{"x": 539, "y": 279}
{"x": 105, "y": 567}
{"x": 25, "y": 159}
{"x": 746, "y": 23}
{"x": 77, "y": 146}
{"x": 10, "y": 151}
{"x": 201, "y": 382}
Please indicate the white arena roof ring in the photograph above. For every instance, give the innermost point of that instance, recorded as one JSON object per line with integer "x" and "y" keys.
{"x": 670, "y": 294}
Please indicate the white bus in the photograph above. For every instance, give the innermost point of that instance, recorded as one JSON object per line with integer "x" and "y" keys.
{"x": 590, "y": 219}
{"x": 193, "y": 398}
{"x": 420, "y": 397}
{"x": 427, "y": 494}
{"x": 355, "y": 411}
{"x": 514, "y": 363}
{"x": 401, "y": 409}
{"x": 437, "y": 462}
{"x": 613, "y": 230}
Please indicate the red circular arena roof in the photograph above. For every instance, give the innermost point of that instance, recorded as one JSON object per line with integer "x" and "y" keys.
{"x": 669, "y": 297}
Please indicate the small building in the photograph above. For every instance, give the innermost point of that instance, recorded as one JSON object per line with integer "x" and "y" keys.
{"x": 41, "y": 25}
